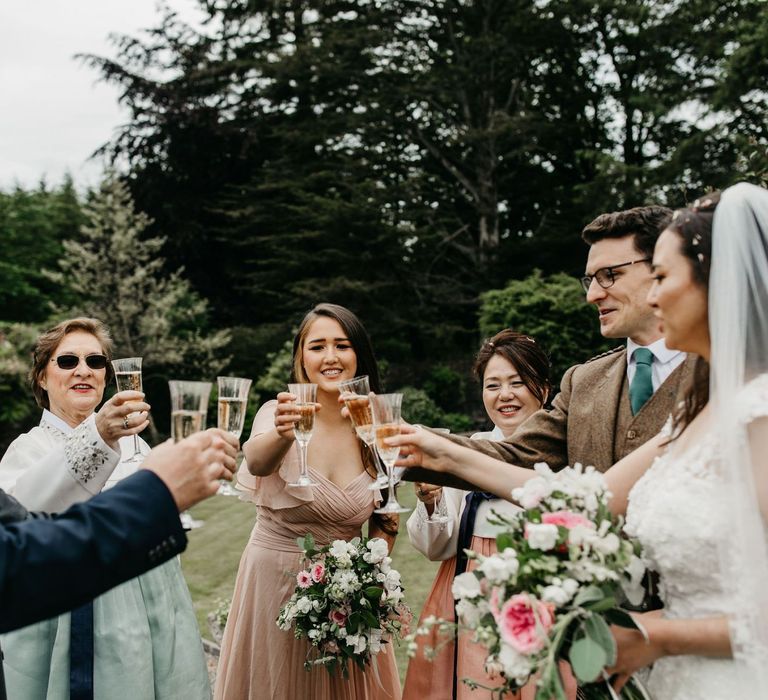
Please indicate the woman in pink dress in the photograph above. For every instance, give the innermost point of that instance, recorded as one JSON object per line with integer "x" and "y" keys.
{"x": 258, "y": 660}
{"x": 515, "y": 376}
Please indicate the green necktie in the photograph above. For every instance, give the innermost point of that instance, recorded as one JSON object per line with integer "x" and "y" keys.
{"x": 641, "y": 388}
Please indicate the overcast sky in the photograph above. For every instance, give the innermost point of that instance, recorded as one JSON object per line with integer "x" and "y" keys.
{"x": 53, "y": 110}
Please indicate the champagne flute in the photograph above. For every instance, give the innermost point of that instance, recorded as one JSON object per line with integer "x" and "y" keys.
{"x": 437, "y": 517}
{"x": 189, "y": 408}
{"x": 306, "y": 397}
{"x": 128, "y": 378}
{"x": 355, "y": 393}
{"x": 233, "y": 403}
{"x": 386, "y": 424}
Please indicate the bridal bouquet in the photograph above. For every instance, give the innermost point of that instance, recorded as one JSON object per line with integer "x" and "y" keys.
{"x": 348, "y": 602}
{"x": 554, "y": 587}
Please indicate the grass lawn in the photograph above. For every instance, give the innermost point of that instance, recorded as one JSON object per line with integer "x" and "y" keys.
{"x": 211, "y": 560}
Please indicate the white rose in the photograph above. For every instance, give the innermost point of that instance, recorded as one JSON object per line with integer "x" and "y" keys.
{"x": 607, "y": 545}
{"x": 570, "y": 586}
{"x": 304, "y": 605}
{"x": 543, "y": 537}
{"x": 533, "y": 492}
{"x": 378, "y": 550}
{"x": 633, "y": 587}
{"x": 468, "y": 613}
{"x": 466, "y": 585}
{"x": 357, "y": 642}
{"x": 515, "y": 665}
{"x": 313, "y": 634}
{"x": 555, "y": 594}
{"x": 498, "y": 569}
{"x": 393, "y": 579}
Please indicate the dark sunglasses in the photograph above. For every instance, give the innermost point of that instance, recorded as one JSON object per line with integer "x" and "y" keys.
{"x": 72, "y": 361}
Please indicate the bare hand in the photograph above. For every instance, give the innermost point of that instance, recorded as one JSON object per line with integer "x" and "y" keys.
{"x": 126, "y": 413}
{"x": 633, "y": 650}
{"x": 286, "y": 415}
{"x": 422, "y": 448}
{"x": 428, "y": 494}
{"x": 191, "y": 468}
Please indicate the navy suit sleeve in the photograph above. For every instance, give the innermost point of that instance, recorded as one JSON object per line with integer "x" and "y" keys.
{"x": 50, "y": 566}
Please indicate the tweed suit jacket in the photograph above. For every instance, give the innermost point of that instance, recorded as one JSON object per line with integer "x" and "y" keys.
{"x": 582, "y": 424}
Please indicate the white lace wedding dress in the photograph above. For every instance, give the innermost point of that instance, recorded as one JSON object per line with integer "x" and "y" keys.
{"x": 676, "y": 512}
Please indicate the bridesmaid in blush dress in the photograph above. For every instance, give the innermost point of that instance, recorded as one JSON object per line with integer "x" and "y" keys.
{"x": 258, "y": 660}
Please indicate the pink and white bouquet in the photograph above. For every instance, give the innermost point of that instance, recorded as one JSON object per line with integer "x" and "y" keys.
{"x": 348, "y": 602}
{"x": 554, "y": 587}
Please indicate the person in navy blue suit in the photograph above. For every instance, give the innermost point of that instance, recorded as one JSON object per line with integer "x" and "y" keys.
{"x": 50, "y": 565}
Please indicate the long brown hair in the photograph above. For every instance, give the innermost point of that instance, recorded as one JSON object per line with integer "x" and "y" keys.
{"x": 358, "y": 337}
{"x": 694, "y": 228}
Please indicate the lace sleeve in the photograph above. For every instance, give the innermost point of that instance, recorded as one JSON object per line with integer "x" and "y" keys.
{"x": 74, "y": 468}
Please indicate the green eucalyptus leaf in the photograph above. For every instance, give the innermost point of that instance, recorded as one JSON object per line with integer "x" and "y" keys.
{"x": 587, "y": 658}
{"x": 598, "y": 631}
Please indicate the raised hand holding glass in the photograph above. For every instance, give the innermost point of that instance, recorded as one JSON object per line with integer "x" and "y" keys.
{"x": 356, "y": 395}
{"x": 386, "y": 422}
{"x": 128, "y": 378}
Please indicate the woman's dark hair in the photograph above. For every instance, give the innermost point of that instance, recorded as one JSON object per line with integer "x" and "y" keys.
{"x": 49, "y": 341}
{"x": 356, "y": 334}
{"x": 366, "y": 364}
{"x": 525, "y": 354}
{"x": 694, "y": 228}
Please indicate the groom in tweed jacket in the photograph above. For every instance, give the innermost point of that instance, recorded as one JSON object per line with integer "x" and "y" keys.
{"x": 591, "y": 420}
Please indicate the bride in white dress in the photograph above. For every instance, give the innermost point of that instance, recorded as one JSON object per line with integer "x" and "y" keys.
{"x": 696, "y": 495}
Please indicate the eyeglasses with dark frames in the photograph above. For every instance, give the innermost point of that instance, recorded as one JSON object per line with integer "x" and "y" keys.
{"x": 68, "y": 361}
{"x": 605, "y": 276}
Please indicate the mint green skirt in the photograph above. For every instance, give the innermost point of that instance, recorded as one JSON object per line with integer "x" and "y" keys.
{"x": 146, "y": 646}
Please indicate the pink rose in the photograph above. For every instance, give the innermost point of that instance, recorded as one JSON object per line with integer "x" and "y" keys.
{"x": 524, "y": 622}
{"x": 304, "y": 579}
{"x": 338, "y": 617}
{"x": 566, "y": 519}
{"x": 318, "y": 572}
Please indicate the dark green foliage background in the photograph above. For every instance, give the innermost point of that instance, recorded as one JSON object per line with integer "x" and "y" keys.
{"x": 427, "y": 163}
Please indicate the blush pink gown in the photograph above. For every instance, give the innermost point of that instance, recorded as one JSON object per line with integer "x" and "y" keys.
{"x": 259, "y": 660}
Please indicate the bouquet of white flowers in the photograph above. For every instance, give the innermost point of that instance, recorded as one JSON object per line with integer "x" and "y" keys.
{"x": 348, "y": 602}
{"x": 554, "y": 587}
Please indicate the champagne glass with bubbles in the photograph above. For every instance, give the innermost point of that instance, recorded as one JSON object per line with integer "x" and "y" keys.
{"x": 386, "y": 424}
{"x": 306, "y": 397}
{"x": 355, "y": 393}
{"x": 233, "y": 403}
{"x": 128, "y": 378}
{"x": 189, "y": 408}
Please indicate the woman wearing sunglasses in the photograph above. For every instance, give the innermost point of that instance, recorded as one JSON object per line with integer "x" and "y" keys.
{"x": 139, "y": 640}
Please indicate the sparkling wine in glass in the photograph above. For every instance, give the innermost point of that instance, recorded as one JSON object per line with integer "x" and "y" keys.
{"x": 189, "y": 408}
{"x": 306, "y": 397}
{"x": 386, "y": 424}
{"x": 438, "y": 515}
{"x": 128, "y": 378}
{"x": 355, "y": 393}
{"x": 233, "y": 403}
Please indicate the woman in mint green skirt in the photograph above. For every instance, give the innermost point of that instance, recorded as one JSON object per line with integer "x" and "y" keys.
{"x": 139, "y": 641}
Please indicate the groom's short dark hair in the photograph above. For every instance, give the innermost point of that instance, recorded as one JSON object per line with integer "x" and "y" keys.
{"x": 644, "y": 223}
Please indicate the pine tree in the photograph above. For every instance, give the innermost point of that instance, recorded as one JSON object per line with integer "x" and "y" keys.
{"x": 118, "y": 276}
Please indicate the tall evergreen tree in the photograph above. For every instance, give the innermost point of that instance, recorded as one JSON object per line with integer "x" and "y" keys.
{"x": 117, "y": 275}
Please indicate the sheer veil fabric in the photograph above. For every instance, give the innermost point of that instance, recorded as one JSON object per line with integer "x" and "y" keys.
{"x": 738, "y": 325}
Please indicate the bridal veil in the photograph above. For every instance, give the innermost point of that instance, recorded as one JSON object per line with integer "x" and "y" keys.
{"x": 738, "y": 325}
